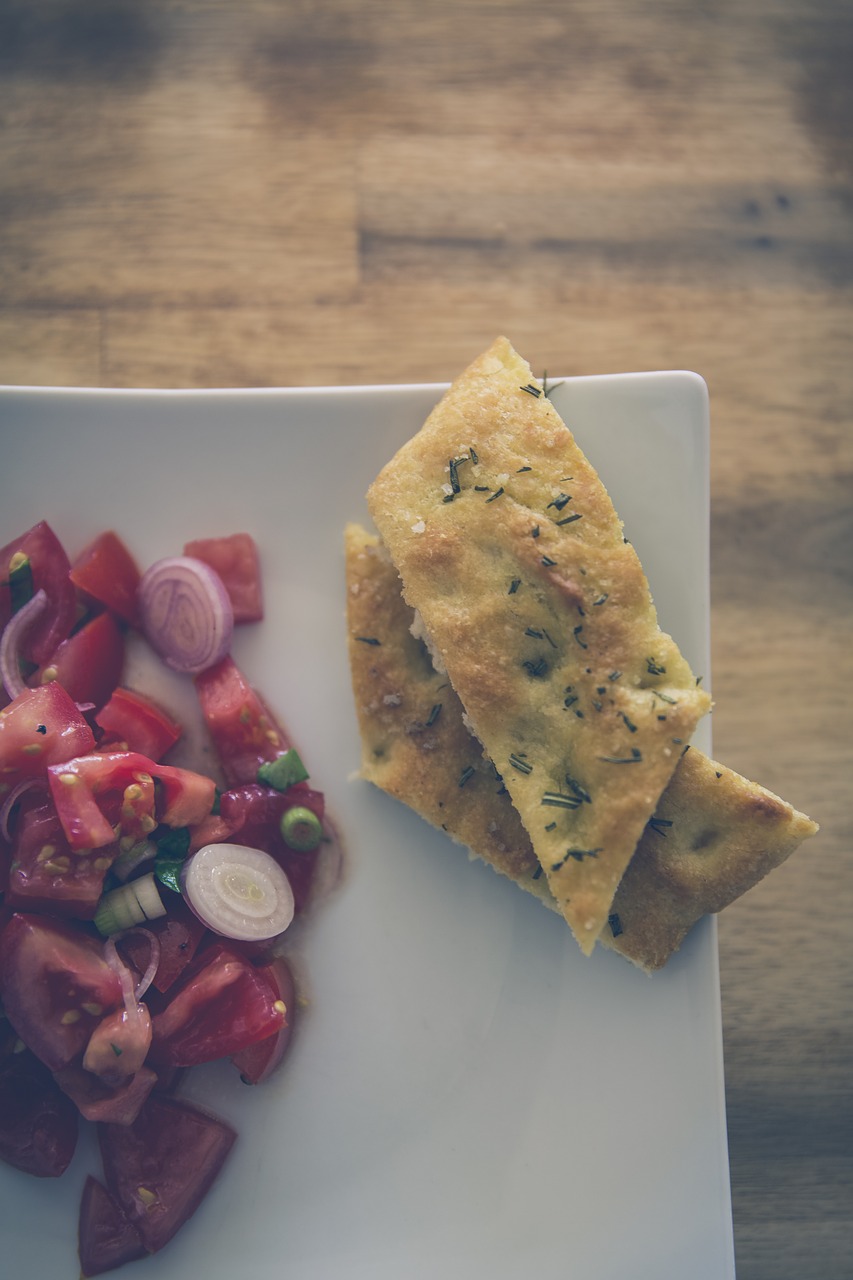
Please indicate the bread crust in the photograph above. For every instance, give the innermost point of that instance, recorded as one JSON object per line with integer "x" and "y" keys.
{"x": 508, "y": 546}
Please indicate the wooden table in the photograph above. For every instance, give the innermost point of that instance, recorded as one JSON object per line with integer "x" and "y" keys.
{"x": 248, "y": 194}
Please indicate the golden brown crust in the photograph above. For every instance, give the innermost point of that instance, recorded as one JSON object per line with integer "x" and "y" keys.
{"x": 508, "y": 545}
{"x": 713, "y": 835}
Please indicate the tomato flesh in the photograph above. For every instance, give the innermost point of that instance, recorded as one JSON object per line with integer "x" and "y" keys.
{"x": 45, "y": 874}
{"x": 40, "y": 727}
{"x": 244, "y": 732}
{"x": 107, "y": 572}
{"x": 50, "y": 571}
{"x": 81, "y": 787}
{"x": 221, "y": 1005}
{"x": 136, "y": 721}
{"x": 258, "y": 1061}
{"x": 89, "y": 663}
{"x": 235, "y": 559}
{"x": 179, "y": 935}
{"x": 55, "y": 986}
{"x": 107, "y": 1238}
{"x": 160, "y": 1167}
{"x": 38, "y": 1124}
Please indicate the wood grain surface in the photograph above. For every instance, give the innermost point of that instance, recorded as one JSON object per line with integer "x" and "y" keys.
{"x": 280, "y": 192}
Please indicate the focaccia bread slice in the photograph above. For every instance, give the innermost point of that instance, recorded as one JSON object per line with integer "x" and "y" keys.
{"x": 414, "y": 743}
{"x": 508, "y": 546}
{"x": 713, "y": 835}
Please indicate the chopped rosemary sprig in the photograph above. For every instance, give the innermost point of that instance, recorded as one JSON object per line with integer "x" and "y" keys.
{"x": 531, "y": 631}
{"x": 569, "y": 519}
{"x": 577, "y": 854}
{"x": 630, "y": 725}
{"x": 534, "y": 532}
{"x": 368, "y": 640}
{"x": 520, "y": 469}
{"x": 654, "y": 668}
{"x": 519, "y": 763}
{"x": 635, "y": 756}
{"x": 513, "y": 586}
{"x": 454, "y": 476}
{"x": 497, "y": 493}
{"x": 600, "y": 600}
{"x": 434, "y": 714}
{"x": 615, "y": 924}
{"x": 576, "y": 632}
{"x": 614, "y": 675}
{"x": 560, "y": 501}
{"x": 473, "y": 454}
{"x": 658, "y": 824}
{"x": 537, "y": 669}
{"x": 466, "y": 774}
{"x": 559, "y": 801}
{"x": 548, "y": 562}
{"x": 532, "y": 390}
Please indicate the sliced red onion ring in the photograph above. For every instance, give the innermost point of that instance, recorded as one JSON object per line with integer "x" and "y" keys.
{"x": 132, "y": 994}
{"x": 238, "y": 892}
{"x": 26, "y": 784}
{"x": 186, "y": 613}
{"x": 10, "y": 643}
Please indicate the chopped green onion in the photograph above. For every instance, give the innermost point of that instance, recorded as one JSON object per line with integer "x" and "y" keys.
{"x": 301, "y": 829}
{"x": 283, "y": 772}
{"x": 131, "y": 904}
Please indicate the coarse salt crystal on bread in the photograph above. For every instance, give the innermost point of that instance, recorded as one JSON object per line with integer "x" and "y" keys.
{"x": 508, "y": 546}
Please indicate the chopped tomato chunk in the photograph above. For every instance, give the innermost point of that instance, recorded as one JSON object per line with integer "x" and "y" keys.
{"x": 107, "y": 1237}
{"x": 50, "y": 572}
{"x": 235, "y": 559}
{"x": 221, "y": 1005}
{"x": 89, "y": 663}
{"x": 38, "y": 1124}
{"x": 107, "y": 572}
{"x": 160, "y": 1168}
{"x": 244, "y": 732}
{"x": 55, "y": 986}
{"x": 137, "y": 721}
{"x": 81, "y": 786}
{"x": 39, "y": 728}
{"x": 45, "y": 874}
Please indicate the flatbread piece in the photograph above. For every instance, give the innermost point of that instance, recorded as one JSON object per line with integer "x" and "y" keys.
{"x": 510, "y": 550}
{"x": 713, "y": 835}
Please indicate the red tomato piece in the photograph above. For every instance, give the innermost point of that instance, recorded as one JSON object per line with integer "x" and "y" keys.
{"x": 221, "y": 1005}
{"x": 96, "y": 1101}
{"x": 244, "y": 732}
{"x": 161, "y": 1167}
{"x": 81, "y": 786}
{"x": 258, "y": 1061}
{"x": 107, "y": 1238}
{"x": 50, "y": 570}
{"x": 179, "y": 934}
{"x": 38, "y": 1124}
{"x": 132, "y": 718}
{"x": 55, "y": 986}
{"x": 45, "y": 875}
{"x": 40, "y": 727}
{"x": 107, "y": 572}
{"x": 235, "y": 559}
{"x": 89, "y": 663}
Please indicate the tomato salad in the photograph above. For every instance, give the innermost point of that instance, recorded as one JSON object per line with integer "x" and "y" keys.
{"x": 142, "y": 905}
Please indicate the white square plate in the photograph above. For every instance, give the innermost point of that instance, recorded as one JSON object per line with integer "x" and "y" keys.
{"x": 468, "y": 1098}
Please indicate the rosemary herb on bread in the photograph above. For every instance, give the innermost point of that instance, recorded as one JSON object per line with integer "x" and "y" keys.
{"x": 509, "y": 548}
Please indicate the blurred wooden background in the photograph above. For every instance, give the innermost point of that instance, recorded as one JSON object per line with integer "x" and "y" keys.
{"x": 195, "y": 193}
